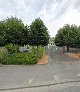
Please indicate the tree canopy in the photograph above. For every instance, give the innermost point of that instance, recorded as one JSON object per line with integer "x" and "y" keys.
{"x": 68, "y": 36}
{"x": 3, "y": 39}
{"x": 13, "y": 30}
{"x": 38, "y": 33}
{"x": 16, "y": 31}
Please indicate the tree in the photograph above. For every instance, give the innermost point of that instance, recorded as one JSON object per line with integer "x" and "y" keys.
{"x": 66, "y": 36}
{"x": 38, "y": 33}
{"x": 3, "y": 39}
{"x": 77, "y": 39}
{"x": 16, "y": 32}
{"x": 74, "y": 35}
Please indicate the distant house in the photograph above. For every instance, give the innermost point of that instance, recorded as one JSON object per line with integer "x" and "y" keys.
{"x": 51, "y": 42}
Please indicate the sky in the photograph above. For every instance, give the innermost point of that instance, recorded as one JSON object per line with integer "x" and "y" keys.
{"x": 54, "y": 13}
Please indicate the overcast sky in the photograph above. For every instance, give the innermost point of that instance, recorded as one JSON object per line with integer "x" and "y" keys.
{"x": 54, "y": 13}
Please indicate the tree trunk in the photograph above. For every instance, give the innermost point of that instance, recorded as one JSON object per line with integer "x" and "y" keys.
{"x": 67, "y": 48}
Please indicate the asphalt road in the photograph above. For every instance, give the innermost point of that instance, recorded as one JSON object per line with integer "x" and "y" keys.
{"x": 61, "y": 74}
{"x": 69, "y": 87}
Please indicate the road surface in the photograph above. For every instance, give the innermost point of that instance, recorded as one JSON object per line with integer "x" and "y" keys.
{"x": 61, "y": 74}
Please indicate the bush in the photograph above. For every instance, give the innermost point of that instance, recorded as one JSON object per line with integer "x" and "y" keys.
{"x": 3, "y": 53}
{"x": 34, "y": 50}
{"x": 23, "y": 58}
{"x": 41, "y": 51}
{"x": 2, "y": 56}
{"x": 20, "y": 58}
{"x": 12, "y": 48}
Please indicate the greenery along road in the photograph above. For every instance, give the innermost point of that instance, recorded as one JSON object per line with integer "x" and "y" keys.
{"x": 68, "y": 36}
{"x": 13, "y": 30}
{"x": 13, "y": 33}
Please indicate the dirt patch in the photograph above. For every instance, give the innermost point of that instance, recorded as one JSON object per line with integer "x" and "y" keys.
{"x": 43, "y": 60}
{"x": 74, "y": 55}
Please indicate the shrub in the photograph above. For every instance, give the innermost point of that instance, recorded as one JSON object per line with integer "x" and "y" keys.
{"x": 41, "y": 51}
{"x": 34, "y": 50}
{"x": 23, "y": 58}
{"x": 3, "y": 53}
{"x": 12, "y": 48}
{"x": 20, "y": 58}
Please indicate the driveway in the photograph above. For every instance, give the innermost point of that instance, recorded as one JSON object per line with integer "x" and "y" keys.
{"x": 60, "y": 70}
{"x": 58, "y": 56}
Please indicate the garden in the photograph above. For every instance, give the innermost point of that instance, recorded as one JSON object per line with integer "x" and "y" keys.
{"x": 10, "y": 54}
{"x": 14, "y": 36}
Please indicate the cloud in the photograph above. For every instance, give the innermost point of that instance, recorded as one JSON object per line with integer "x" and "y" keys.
{"x": 60, "y": 12}
{"x": 54, "y": 13}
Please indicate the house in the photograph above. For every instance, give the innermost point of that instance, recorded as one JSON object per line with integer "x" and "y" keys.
{"x": 51, "y": 42}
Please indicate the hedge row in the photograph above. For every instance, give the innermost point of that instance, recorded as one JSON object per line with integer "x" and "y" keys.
{"x": 21, "y": 58}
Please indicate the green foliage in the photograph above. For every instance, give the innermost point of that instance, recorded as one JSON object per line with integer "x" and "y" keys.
{"x": 13, "y": 30}
{"x": 77, "y": 38}
{"x": 34, "y": 50}
{"x": 20, "y": 58}
{"x": 41, "y": 51}
{"x": 17, "y": 58}
{"x": 68, "y": 36}
{"x": 12, "y": 48}
{"x": 38, "y": 33}
{"x": 3, "y": 54}
{"x": 3, "y": 39}
{"x": 63, "y": 36}
{"x": 16, "y": 32}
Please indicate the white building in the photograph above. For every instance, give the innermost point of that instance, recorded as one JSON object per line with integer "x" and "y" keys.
{"x": 51, "y": 42}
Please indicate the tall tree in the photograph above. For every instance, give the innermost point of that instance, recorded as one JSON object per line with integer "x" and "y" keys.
{"x": 66, "y": 36}
{"x": 38, "y": 33}
{"x": 16, "y": 32}
{"x": 3, "y": 39}
{"x": 77, "y": 39}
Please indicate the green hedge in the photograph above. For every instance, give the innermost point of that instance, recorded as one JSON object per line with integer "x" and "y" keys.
{"x": 20, "y": 58}
{"x": 41, "y": 51}
{"x": 12, "y": 48}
